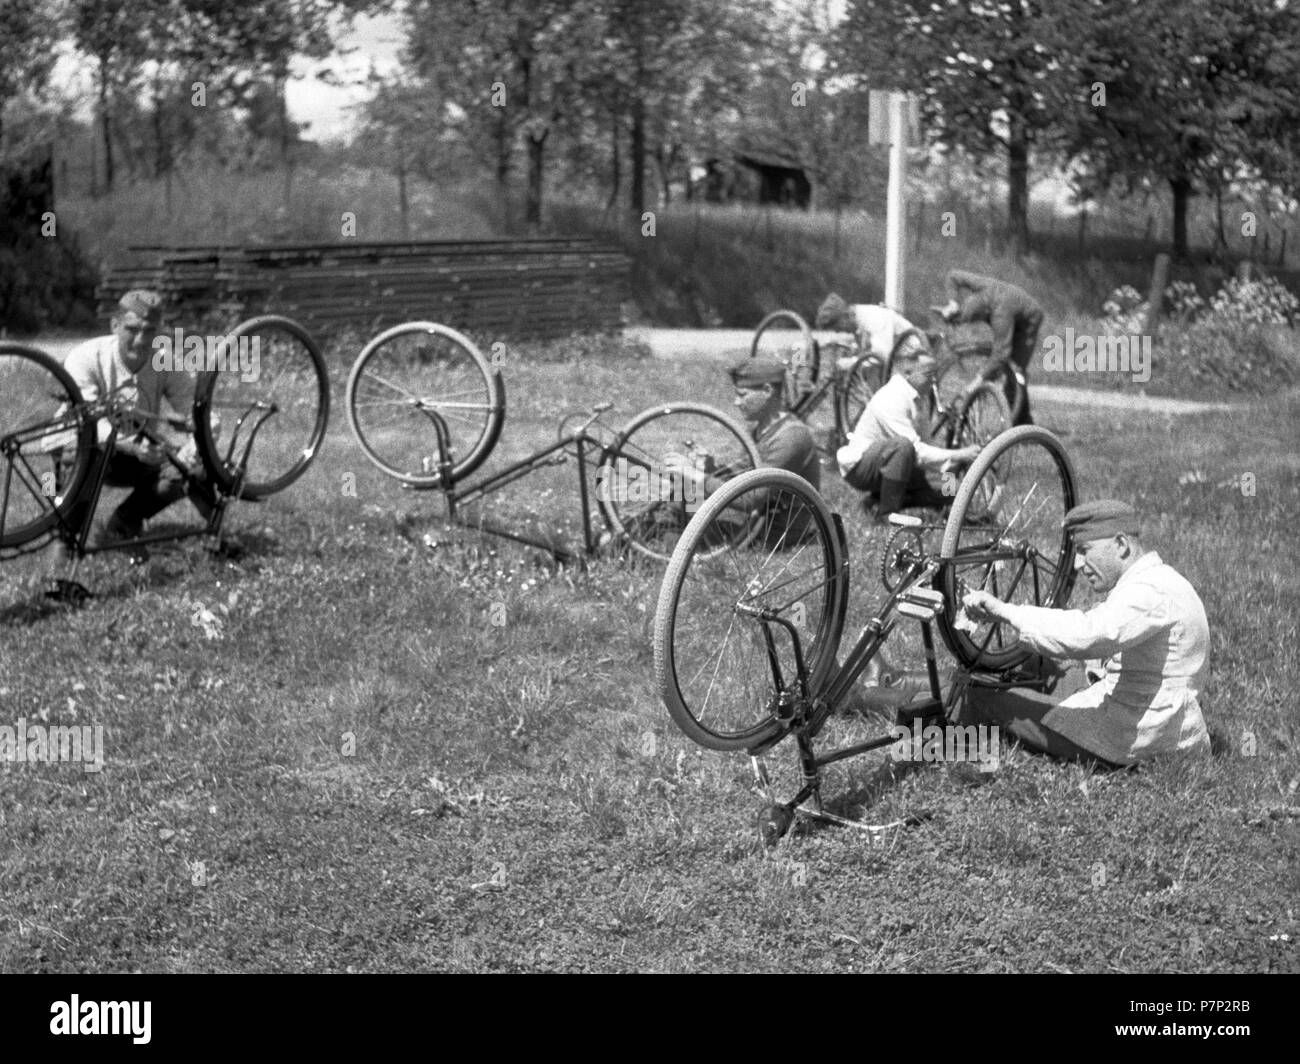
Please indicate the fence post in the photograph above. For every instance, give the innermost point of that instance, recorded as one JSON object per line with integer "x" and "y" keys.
{"x": 1156, "y": 297}
{"x": 1244, "y": 271}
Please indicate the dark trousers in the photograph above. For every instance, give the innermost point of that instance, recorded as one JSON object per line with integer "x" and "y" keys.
{"x": 1019, "y": 712}
{"x": 894, "y": 460}
{"x": 1024, "y": 342}
{"x": 156, "y": 488}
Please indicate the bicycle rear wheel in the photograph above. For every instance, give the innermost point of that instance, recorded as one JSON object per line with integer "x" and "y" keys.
{"x": 407, "y": 376}
{"x": 723, "y": 660}
{"x": 640, "y": 500}
{"x": 46, "y": 444}
{"x": 785, "y": 336}
{"x": 266, "y": 399}
{"x": 1005, "y": 535}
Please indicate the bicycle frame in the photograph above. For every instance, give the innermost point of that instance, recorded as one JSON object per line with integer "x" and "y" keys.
{"x": 582, "y": 439}
{"x": 92, "y": 488}
{"x": 806, "y": 714}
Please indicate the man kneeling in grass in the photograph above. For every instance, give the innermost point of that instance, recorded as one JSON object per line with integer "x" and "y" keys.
{"x": 1152, "y": 632}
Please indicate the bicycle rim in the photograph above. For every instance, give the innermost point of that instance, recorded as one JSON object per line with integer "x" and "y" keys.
{"x": 267, "y": 399}
{"x": 46, "y": 444}
{"x": 644, "y": 503}
{"x": 406, "y": 381}
{"x": 720, "y": 665}
{"x": 1005, "y": 535}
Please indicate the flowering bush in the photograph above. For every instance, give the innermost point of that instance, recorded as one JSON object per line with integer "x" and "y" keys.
{"x": 1261, "y": 302}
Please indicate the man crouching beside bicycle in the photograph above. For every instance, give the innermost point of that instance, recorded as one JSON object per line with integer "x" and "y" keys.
{"x": 886, "y": 455}
{"x": 121, "y": 365}
{"x": 1142, "y": 700}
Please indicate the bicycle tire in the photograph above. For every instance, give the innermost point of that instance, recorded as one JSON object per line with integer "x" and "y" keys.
{"x": 1037, "y": 487}
{"x": 40, "y": 420}
{"x": 647, "y": 522}
{"x": 403, "y": 375}
{"x": 804, "y": 361}
{"x": 791, "y": 561}
{"x": 282, "y": 413}
{"x": 855, "y": 392}
{"x": 982, "y": 417}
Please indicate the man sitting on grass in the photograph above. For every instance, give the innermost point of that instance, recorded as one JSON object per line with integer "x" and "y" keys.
{"x": 886, "y": 456}
{"x": 782, "y": 441}
{"x": 1152, "y": 631}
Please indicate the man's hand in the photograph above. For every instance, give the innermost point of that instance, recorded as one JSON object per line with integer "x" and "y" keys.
{"x": 678, "y": 465}
{"x": 143, "y": 450}
{"x": 981, "y": 606}
{"x": 960, "y": 458}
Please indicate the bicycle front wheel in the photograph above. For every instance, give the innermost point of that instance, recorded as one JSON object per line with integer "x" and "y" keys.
{"x": 260, "y": 413}
{"x": 786, "y": 337}
{"x": 1005, "y": 534}
{"x": 855, "y": 393}
{"x": 644, "y": 503}
{"x": 982, "y": 417}
{"x": 46, "y": 443}
{"x": 727, "y": 624}
{"x": 412, "y": 378}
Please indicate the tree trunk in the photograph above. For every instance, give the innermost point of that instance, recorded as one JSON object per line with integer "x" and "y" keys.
{"x": 615, "y": 173}
{"x": 1018, "y": 186}
{"x": 533, "y": 204}
{"x": 403, "y": 207}
{"x": 1182, "y": 190}
{"x": 637, "y": 161}
{"x": 104, "y": 125}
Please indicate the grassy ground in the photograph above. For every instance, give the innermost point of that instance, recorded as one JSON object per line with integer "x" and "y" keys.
{"x": 377, "y": 744}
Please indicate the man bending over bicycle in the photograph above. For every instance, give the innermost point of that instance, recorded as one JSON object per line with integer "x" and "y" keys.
{"x": 1151, "y": 630}
{"x": 875, "y": 328}
{"x": 121, "y": 364}
{"x": 1015, "y": 317}
{"x": 886, "y": 455}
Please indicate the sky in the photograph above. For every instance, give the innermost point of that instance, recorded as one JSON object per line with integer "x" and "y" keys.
{"x": 373, "y": 41}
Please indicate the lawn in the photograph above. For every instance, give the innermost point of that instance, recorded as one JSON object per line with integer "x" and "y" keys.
{"x": 379, "y": 744}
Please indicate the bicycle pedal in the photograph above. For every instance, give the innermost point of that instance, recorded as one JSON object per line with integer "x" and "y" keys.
{"x": 69, "y": 591}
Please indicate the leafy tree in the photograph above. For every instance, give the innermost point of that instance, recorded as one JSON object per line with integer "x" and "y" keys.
{"x": 993, "y": 75}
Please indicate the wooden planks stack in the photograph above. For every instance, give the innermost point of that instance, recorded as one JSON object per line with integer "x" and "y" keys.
{"x": 538, "y": 288}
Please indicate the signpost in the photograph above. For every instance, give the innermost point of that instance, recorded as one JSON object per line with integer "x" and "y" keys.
{"x": 889, "y": 116}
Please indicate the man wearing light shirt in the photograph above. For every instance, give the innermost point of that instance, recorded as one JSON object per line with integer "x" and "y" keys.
{"x": 885, "y": 455}
{"x": 875, "y": 328}
{"x": 1152, "y": 632}
{"x": 121, "y": 365}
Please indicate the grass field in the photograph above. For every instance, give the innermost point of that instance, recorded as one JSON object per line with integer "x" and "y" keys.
{"x": 376, "y": 744}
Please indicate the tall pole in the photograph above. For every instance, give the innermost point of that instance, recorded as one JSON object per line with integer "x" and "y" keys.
{"x": 896, "y": 209}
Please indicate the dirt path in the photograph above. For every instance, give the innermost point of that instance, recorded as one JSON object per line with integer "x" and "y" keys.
{"x": 724, "y": 345}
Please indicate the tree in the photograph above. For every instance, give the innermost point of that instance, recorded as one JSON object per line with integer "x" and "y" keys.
{"x": 1196, "y": 94}
{"x": 993, "y": 75}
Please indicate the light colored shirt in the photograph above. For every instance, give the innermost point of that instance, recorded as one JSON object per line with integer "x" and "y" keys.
{"x": 96, "y": 367}
{"x": 878, "y": 328}
{"x": 1153, "y": 631}
{"x": 894, "y": 411}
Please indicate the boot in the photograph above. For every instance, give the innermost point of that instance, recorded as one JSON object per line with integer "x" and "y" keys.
{"x": 892, "y": 493}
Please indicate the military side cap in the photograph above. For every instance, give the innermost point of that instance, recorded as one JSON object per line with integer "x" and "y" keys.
{"x": 831, "y": 313}
{"x": 753, "y": 372}
{"x": 141, "y": 301}
{"x": 1102, "y": 519}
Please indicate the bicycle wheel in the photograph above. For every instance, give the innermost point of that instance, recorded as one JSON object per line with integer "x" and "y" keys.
{"x": 981, "y": 418}
{"x": 267, "y": 399}
{"x": 1005, "y": 534}
{"x": 723, "y": 662}
{"x": 404, "y": 382}
{"x": 957, "y": 369}
{"x": 855, "y": 392}
{"x": 774, "y": 339}
{"x": 46, "y": 443}
{"x": 640, "y": 499}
